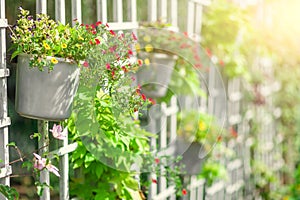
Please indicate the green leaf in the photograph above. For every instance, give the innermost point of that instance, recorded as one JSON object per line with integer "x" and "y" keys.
{"x": 9, "y": 193}
{"x": 131, "y": 183}
{"x": 11, "y": 144}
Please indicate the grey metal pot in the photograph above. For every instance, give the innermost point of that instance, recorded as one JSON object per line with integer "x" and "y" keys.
{"x": 45, "y": 95}
{"x": 193, "y": 156}
{"x": 155, "y": 77}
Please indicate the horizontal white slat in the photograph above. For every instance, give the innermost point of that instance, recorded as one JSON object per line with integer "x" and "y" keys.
{"x": 234, "y": 165}
{"x": 5, "y": 171}
{"x": 195, "y": 184}
{"x": 236, "y": 96}
{"x": 234, "y": 187}
{"x": 165, "y": 194}
{"x": 4, "y": 73}
{"x": 3, "y": 23}
{"x": 5, "y": 122}
{"x": 63, "y": 150}
{"x": 123, "y": 25}
{"x": 234, "y": 119}
{"x": 215, "y": 188}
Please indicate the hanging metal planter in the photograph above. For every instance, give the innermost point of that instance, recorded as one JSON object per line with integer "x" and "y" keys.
{"x": 155, "y": 74}
{"x": 45, "y": 95}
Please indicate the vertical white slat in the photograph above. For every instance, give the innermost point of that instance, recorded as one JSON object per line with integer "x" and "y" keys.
{"x": 198, "y": 19}
{"x": 190, "y": 18}
{"x": 153, "y": 141}
{"x": 102, "y": 10}
{"x": 174, "y": 13}
{"x": 163, "y": 11}
{"x": 152, "y": 10}
{"x": 118, "y": 10}
{"x": 60, "y": 13}
{"x": 4, "y": 152}
{"x": 76, "y": 11}
{"x": 173, "y": 120}
{"x": 163, "y": 143}
{"x": 41, "y": 6}
{"x": 133, "y": 11}
{"x": 43, "y": 127}
{"x": 64, "y": 174}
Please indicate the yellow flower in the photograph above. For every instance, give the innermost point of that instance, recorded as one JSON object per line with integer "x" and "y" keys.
{"x": 138, "y": 47}
{"x": 54, "y": 60}
{"x": 149, "y": 48}
{"x": 46, "y": 46}
{"x": 64, "y": 46}
{"x": 147, "y": 38}
{"x": 80, "y": 38}
{"x": 202, "y": 126}
{"x": 147, "y": 61}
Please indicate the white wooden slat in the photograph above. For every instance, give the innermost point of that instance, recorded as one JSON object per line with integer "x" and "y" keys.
{"x": 133, "y": 11}
{"x": 63, "y": 150}
{"x": 190, "y": 18}
{"x": 4, "y": 122}
{"x": 230, "y": 189}
{"x": 76, "y": 11}
{"x": 118, "y": 10}
{"x": 4, "y": 151}
{"x": 123, "y": 26}
{"x": 174, "y": 13}
{"x": 152, "y": 10}
{"x": 41, "y": 6}
{"x": 4, "y": 72}
{"x": 198, "y": 19}
{"x": 5, "y": 171}
{"x": 163, "y": 144}
{"x": 60, "y": 13}
{"x": 3, "y": 23}
{"x": 64, "y": 173}
{"x": 163, "y": 10}
{"x": 215, "y": 188}
{"x": 43, "y": 127}
{"x": 165, "y": 194}
{"x": 173, "y": 120}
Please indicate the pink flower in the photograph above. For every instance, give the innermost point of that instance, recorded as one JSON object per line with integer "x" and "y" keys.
{"x": 51, "y": 168}
{"x": 134, "y": 36}
{"x": 157, "y": 160}
{"x": 40, "y": 163}
{"x": 58, "y": 132}
{"x": 85, "y": 64}
{"x": 108, "y": 66}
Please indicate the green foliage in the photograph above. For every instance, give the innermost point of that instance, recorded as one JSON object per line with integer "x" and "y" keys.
{"x": 212, "y": 172}
{"x": 8, "y": 192}
{"x": 228, "y": 44}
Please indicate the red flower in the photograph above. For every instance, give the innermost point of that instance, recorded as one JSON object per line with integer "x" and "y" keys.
{"x": 98, "y": 23}
{"x": 130, "y": 52}
{"x": 108, "y": 66}
{"x": 233, "y": 132}
{"x": 184, "y": 192}
{"x": 97, "y": 41}
{"x": 208, "y": 52}
{"x": 140, "y": 62}
{"x": 222, "y": 63}
{"x": 143, "y": 97}
{"x": 112, "y": 32}
{"x": 93, "y": 26}
{"x": 91, "y": 42}
{"x": 185, "y": 34}
{"x": 107, "y": 25}
{"x": 157, "y": 160}
{"x": 113, "y": 74}
{"x": 124, "y": 69}
{"x": 154, "y": 181}
{"x": 85, "y": 64}
{"x": 152, "y": 101}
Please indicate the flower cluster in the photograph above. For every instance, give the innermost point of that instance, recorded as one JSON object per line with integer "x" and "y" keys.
{"x": 159, "y": 37}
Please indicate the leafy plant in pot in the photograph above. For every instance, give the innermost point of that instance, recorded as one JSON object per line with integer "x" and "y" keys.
{"x": 50, "y": 55}
{"x": 197, "y": 133}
